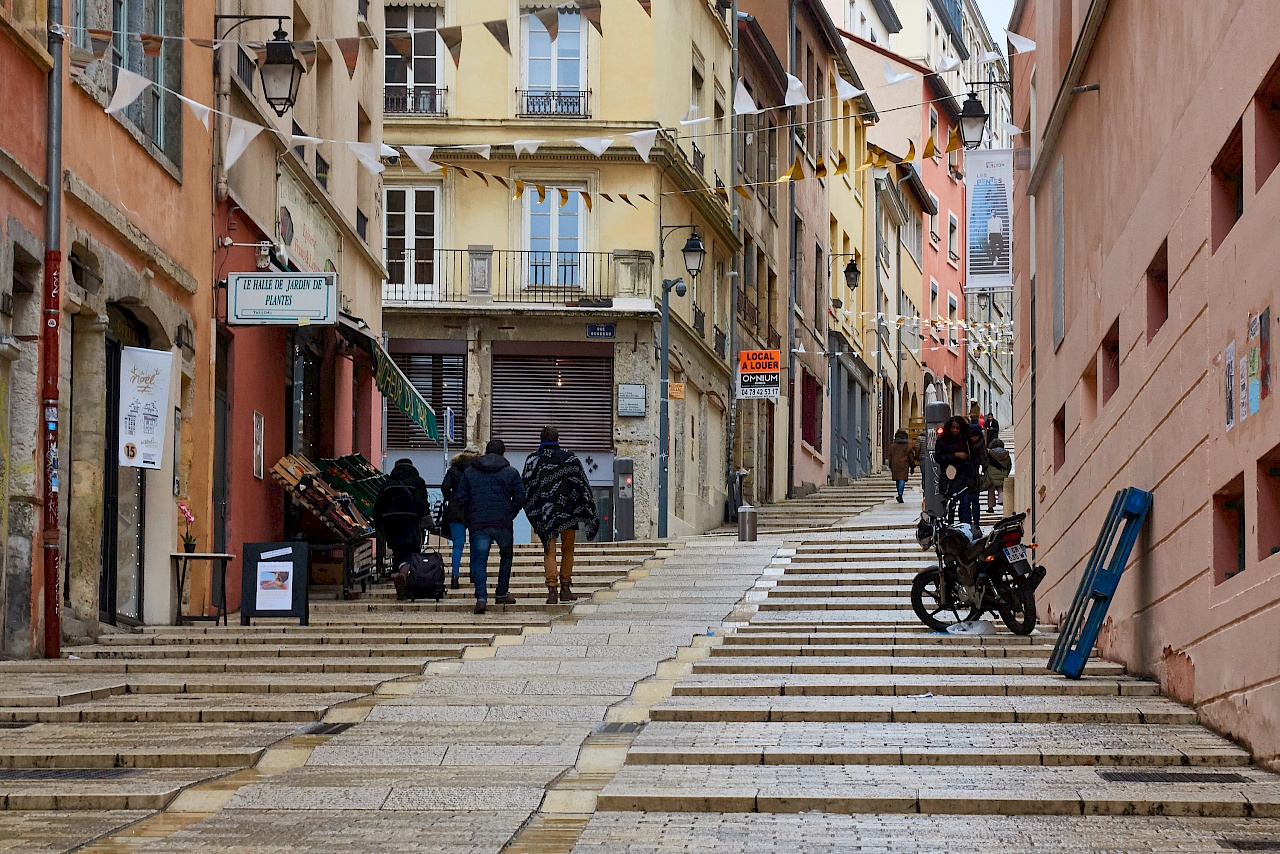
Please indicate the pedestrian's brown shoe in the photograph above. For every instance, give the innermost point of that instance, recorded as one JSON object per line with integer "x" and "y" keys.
{"x": 567, "y": 595}
{"x": 552, "y": 597}
{"x": 506, "y": 600}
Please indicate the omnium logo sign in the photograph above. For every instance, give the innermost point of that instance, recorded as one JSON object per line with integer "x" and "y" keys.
{"x": 283, "y": 299}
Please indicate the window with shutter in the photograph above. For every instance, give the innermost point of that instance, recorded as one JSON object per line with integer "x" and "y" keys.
{"x": 572, "y": 394}
{"x": 441, "y": 379}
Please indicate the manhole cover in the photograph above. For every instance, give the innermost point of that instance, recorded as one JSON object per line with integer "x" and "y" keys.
{"x": 1250, "y": 844}
{"x": 1172, "y": 777}
{"x": 620, "y": 729}
{"x": 65, "y": 773}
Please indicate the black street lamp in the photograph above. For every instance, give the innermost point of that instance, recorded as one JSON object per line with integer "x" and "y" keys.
{"x": 852, "y": 274}
{"x": 281, "y": 73}
{"x": 694, "y": 254}
{"x": 973, "y": 122}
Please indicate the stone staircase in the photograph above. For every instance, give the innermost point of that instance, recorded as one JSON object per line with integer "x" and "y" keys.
{"x": 130, "y": 722}
{"x": 829, "y": 507}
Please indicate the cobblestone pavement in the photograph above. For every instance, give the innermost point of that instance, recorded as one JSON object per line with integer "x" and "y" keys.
{"x": 829, "y": 719}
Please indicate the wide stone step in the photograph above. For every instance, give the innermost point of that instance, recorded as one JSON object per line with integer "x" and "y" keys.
{"x": 794, "y": 581}
{"x": 814, "y": 743}
{"x": 141, "y": 745}
{"x": 834, "y": 593}
{"x": 458, "y": 603}
{"x": 785, "y": 647}
{"x": 777, "y": 664}
{"x": 311, "y": 639}
{"x": 924, "y": 709}
{"x": 214, "y": 707}
{"x": 285, "y": 665}
{"x": 229, "y": 651}
{"x": 911, "y": 684}
{"x": 98, "y": 788}
{"x": 1022, "y": 790}
{"x": 899, "y": 602}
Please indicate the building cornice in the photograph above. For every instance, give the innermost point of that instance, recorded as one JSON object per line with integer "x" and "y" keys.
{"x": 29, "y": 44}
{"x": 22, "y": 177}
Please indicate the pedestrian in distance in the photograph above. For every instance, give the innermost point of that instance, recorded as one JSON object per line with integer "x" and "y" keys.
{"x": 902, "y": 460}
{"x": 991, "y": 428}
{"x": 491, "y": 495}
{"x": 999, "y": 464}
{"x": 956, "y": 470}
{"x": 977, "y": 441}
{"x": 402, "y": 512}
{"x": 558, "y": 501}
{"x": 452, "y": 518}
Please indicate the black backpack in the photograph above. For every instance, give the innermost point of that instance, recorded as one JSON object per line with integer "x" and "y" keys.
{"x": 421, "y": 577}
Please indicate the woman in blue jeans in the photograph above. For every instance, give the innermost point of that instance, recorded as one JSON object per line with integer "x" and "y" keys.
{"x": 454, "y": 519}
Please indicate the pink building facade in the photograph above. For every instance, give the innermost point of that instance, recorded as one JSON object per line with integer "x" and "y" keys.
{"x": 1146, "y": 303}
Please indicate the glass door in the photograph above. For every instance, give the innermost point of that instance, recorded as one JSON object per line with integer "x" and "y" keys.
{"x": 124, "y": 495}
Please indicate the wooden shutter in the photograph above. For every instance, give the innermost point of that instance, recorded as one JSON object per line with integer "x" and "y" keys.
{"x": 441, "y": 380}
{"x": 574, "y": 395}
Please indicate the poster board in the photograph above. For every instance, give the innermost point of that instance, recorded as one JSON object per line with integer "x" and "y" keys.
{"x": 144, "y": 406}
{"x": 274, "y": 581}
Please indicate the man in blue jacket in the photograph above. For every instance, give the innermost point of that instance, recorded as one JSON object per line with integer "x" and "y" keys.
{"x": 491, "y": 494}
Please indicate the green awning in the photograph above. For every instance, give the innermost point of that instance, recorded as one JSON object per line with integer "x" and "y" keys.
{"x": 395, "y": 387}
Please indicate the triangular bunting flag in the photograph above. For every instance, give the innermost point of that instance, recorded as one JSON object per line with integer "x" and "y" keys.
{"x": 948, "y": 63}
{"x": 795, "y": 173}
{"x": 608, "y": 198}
{"x": 452, "y": 38}
{"x": 820, "y": 168}
{"x": 421, "y": 157}
{"x": 842, "y": 165}
{"x": 550, "y": 19}
{"x": 482, "y": 150}
{"x": 542, "y": 192}
{"x": 564, "y": 196}
{"x": 586, "y": 199}
{"x": 642, "y": 141}
{"x": 869, "y": 162}
{"x": 461, "y": 172}
{"x": 350, "y": 50}
{"x": 953, "y": 141}
{"x": 930, "y": 148}
{"x": 481, "y": 176}
{"x": 646, "y": 198}
{"x": 742, "y": 191}
{"x": 623, "y": 196}
{"x": 369, "y": 154}
{"x": 647, "y": 6}
{"x": 204, "y": 43}
{"x": 302, "y": 139}
{"x": 846, "y": 90}
{"x": 128, "y": 87}
{"x": 527, "y": 146}
{"x": 99, "y": 42}
{"x": 152, "y": 44}
{"x": 502, "y": 181}
{"x": 80, "y": 58}
{"x": 590, "y": 10}
{"x": 990, "y": 56}
{"x": 401, "y": 44}
{"x": 891, "y": 77}
{"x": 882, "y": 161}
{"x": 498, "y": 29}
{"x": 519, "y": 190}
{"x": 743, "y": 104}
{"x": 200, "y": 111}
{"x": 796, "y": 96}
{"x": 597, "y": 145}
{"x": 242, "y": 133}
{"x": 911, "y": 152}
{"x": 1021, "y": 44}
{"x": 307, "y": 50}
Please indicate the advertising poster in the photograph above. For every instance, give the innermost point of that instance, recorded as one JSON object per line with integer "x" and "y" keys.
{"x": 275, "y": 586}
{"x": 1255, "y": 381}
{"x": 144, "y": 406}
{"x": 258, "y": 428}
{"x": 989, "y": 219}
{"x": 1242, "y": 383}
{"x": 1264, "y": 352}
{"x": 1230, "y": 366}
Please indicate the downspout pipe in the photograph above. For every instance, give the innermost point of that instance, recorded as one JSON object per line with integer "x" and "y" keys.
{"x": 735, "y": 276}
{"x": 791, "y": 272}
{"x": 50, "y": 342}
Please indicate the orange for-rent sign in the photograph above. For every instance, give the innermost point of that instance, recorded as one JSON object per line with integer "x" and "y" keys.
{"x": 759, "y": 374}
{"x": 759, "y": 361}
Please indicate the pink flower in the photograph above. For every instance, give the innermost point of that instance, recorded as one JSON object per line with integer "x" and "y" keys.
{"x": 186, "y": 514}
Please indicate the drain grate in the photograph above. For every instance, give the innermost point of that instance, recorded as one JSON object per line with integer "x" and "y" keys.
{"x": 1250, "y": 844}
{"x": 620, "y": 729}
{"x": 1172, "y": 777}
{"x": 323, "y": 729}
{"x": 65, "y": 773}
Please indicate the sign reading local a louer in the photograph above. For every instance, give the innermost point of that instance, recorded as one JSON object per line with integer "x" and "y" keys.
{"x": 283, "y": 298}
{"x": 759, "y": 374}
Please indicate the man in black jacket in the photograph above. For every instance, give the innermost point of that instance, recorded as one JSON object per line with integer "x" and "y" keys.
{"x": 491, "y": 494}
{"x": 402, "y": 512}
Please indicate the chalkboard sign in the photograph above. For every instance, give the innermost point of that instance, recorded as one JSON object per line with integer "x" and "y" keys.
{"x": 274, "y": 581}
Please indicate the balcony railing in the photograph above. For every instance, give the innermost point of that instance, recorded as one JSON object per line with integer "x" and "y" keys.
{"x": 749, "y": 313}
{"x": 700, "y": 322}
{"x": 422, "y": 100}
{"x": 564, "y": 103}
{"x": 774, "y": 340}
{"x": 698, "y": 158}
{"x": 720, "y": 343}
{"x": 450, "y": 275}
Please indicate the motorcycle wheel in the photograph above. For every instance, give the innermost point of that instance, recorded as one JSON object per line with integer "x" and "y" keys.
{"x": 929, "y": 607}
{"x": 1018, "y": 608}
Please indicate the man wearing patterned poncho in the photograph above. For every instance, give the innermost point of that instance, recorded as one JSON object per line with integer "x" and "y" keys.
{"x": 559, "y": 500}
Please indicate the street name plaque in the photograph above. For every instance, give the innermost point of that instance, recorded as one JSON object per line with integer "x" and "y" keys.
{"x": 283, "y": 299}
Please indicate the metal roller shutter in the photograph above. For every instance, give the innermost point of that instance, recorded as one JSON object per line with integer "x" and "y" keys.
{"x": 574, "y": 395}
{"x": 442, "y": 382}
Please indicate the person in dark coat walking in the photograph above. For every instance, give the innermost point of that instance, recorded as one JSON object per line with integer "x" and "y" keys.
{"x": 491, "y": 495}
{"x": 902, "y": 460}
{"x": 999, "y": 464}
{"x": 402, "y": 513}
{"x": 991, "y": 428}
{"x": 977, "y": 441}
{"x": 558, "y": 500}
{"x": 454, "y": 520}
{"x": 956, "y": 470}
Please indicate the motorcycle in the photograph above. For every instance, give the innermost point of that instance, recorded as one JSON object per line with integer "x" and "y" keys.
{"x": 975, "y": 573}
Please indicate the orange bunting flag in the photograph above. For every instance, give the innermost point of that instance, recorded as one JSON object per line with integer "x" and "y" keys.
{"x": 842, "y": 165}
{"x": 953, "y": 141}
{"x": 307, "y": 50}
{"x": 911, "y": 152}
{"x": 646, "y": 198}
{"x": 519, "y": 190}
{"x": 741, "y": 191}
{"x": 795, "y": 173}
{"x": 722, "y": 193}
{"x": 586, "y": 199}
{"x": 820, "y": 168}
{"x": 564, "y": 196}
{"x": 403, "y": 45}
{"x": 647, "y": 6}
{"x": 152, "y": 45}
{"x": 870, "y": 161}
{"x": 542, "y": 192}
{"x": 100, "y": 42}
{"x": 350, "y": 50}
{"x": 623, "y": 196}
{"x": 452, "y": 38}
{"x": 608, "y": 198}
{"x": 205, "y": 43}
{"x": 550, "y": 19}
{"x": 498, "y": 29}
{"x": 930, "y": 148}
{"x": 590, "y": 10}
{"x": 501, "y": 180}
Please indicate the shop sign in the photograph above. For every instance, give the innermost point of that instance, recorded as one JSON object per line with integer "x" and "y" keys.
{"x": 144, "y": 406}
{"x": 283, "y": 298}
{"x": 759, "y": 374}
{"x": 602, "y": 331}
{"x": 632, "y": 399}
{"x": 311, "y": 239}
{"x": 675, "y": 391}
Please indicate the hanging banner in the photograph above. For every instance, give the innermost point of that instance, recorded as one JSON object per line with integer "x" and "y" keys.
{"x": 144, "y": 406}
{"x": 990, "y": 219}
{"x": 311, "y": 239}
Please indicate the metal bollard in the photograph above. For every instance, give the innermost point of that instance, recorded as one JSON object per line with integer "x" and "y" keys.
{"x": 746, "y": 524}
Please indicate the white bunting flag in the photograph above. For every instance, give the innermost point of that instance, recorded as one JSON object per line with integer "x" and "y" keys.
{"x": 643, "y": 141}
{"x": 691, "y": 116}
{"x": 242, "y": 133}
{"x": 948, "y": 63}
{"x": 1012, "y": 129}
{"x": 482, "y": 150}
{"x": 388, "y": 153}
{"x": 742, "y": 101}
{"x": 200, "y": 111}
{"x": 300, "y": 139}
{"x": 527, "y": 146}
{"x": 846, "y": 90}
{"x": 421, "y": 157}
{"x": 990, "y": 56}
{"x": 1021, "y": 44}
{"x": 128, "y": 87}
{"x": 597, "y": 145}
{"x": 368, "y": 153}
{"x": 796, "y": 96}
{"x": 891, "y": 77}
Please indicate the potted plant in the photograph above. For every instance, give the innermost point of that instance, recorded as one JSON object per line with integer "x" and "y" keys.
{"x": 188, "y": 538}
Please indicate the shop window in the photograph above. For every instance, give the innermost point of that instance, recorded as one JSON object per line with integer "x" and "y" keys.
{"x": 1228, "y": 530}
{"x": 1269, "y": 504}
{"x": 1060, "y": 438}
{"x": 1267, "y": 126}
{"x": 1158, "y": 291}
{"x": 1227, "y": 187}
{"x": 1109, "y": 362}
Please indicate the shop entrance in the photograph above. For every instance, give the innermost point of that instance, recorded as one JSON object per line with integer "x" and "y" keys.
{"x": 123, "y": 490}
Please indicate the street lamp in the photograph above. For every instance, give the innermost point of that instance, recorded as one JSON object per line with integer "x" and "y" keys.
{"x": 973, "y": 122}
{"x": 281, "y": 73}
{"x": 852, "y": 274}
{"x": 694, "y": 255}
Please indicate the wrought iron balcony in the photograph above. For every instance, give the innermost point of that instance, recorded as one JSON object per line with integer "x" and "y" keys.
{"x": 563, "y": 103}
{"x": 699, "y": 322}
{"x": 749, "y": 313}
{"x": 720, "y": 343}
{"x": 774, "y": 340}
{"x": 448, "y": 276}
{"x": 420, "y": 100}
{"x": 698, "y": 158}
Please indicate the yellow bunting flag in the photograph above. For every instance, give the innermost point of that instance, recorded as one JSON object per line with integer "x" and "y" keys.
{"x": 646, "y": 198}
{"x": 482, "y": 177}
{"x": 930, "y": 148}
{"x": 462, "y": 172}
{"x": 882, "y": 161}
{"x": 623, "y": 196}
{"x": 722, "y": 193}
{"x": 564, "y": 196}
{"x": 911, "y": 151}
{"x": 820, "y": 169}
{"x": 501, "y": 180}
{"x": 842, "y": 165}
{"x": 953, "y": 141}
{"x": 519, "y": 190}
{"x": 795, "y": 173}
{"x": 608, "y": 198}
{"x": 741, "y": 191}
{"x": 542, "y": 192}
{"x": 586, "y": 199}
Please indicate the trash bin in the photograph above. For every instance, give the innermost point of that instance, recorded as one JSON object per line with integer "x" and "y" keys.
{"x": 746, "y": 524}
